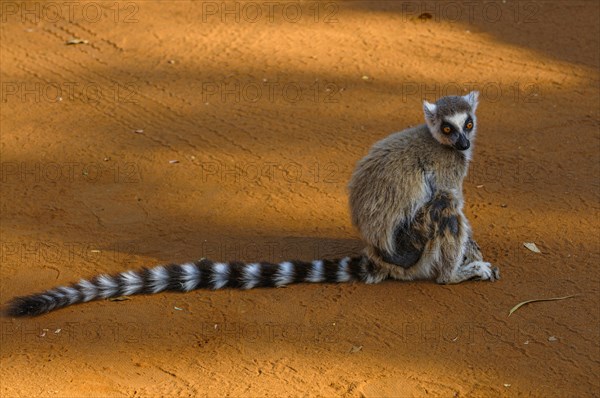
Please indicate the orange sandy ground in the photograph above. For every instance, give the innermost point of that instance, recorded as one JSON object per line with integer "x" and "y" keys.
{"x": 262, "y": 175}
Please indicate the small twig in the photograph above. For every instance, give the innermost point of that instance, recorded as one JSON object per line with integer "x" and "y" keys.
{"x": 516, "y": 307}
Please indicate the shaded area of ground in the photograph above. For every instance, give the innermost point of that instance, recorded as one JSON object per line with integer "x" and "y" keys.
{"x": 267, "y": 117}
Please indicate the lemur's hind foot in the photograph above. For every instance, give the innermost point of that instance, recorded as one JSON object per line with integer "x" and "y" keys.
{"x": 479, "y": 270}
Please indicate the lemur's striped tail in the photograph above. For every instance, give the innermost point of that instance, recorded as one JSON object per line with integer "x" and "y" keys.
{"x": 203, "y": 274}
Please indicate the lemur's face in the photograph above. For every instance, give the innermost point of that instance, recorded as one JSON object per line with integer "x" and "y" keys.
{"x": 452, "y": 121}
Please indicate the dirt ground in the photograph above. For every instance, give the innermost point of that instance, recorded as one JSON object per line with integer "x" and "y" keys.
{"x": 181, "y": 130}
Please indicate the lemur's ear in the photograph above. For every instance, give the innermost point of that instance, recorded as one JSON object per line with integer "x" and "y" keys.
{"x": 429, "y": 110}
{"x": 473, "y": 99}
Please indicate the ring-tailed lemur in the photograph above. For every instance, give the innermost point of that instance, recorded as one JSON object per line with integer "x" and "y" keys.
{"x": 405, "y": 199}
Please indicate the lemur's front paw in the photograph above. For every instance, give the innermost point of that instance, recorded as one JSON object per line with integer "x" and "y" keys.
{"x": 484, "y": 271}
{"x": 488, "y": 272}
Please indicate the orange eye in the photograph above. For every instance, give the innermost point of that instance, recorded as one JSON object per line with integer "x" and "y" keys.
{"x": 469, "y": 125}
{"x": 446, "y": 129}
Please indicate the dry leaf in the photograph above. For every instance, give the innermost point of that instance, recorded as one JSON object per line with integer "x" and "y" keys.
{"x": 355, "y": 349}
{"x": 516, "y": 307}
{"x": 77, "y": 41}
{"x": 120, "y": 298}
{"x": 532, "y": 247}
{"x": 552, "y": 338}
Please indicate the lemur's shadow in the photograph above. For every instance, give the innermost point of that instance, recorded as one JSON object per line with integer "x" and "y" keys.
{"x": 246, "y": 249}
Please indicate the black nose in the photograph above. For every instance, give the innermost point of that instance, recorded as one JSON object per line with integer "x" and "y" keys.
{"x": 462, "y": 144}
